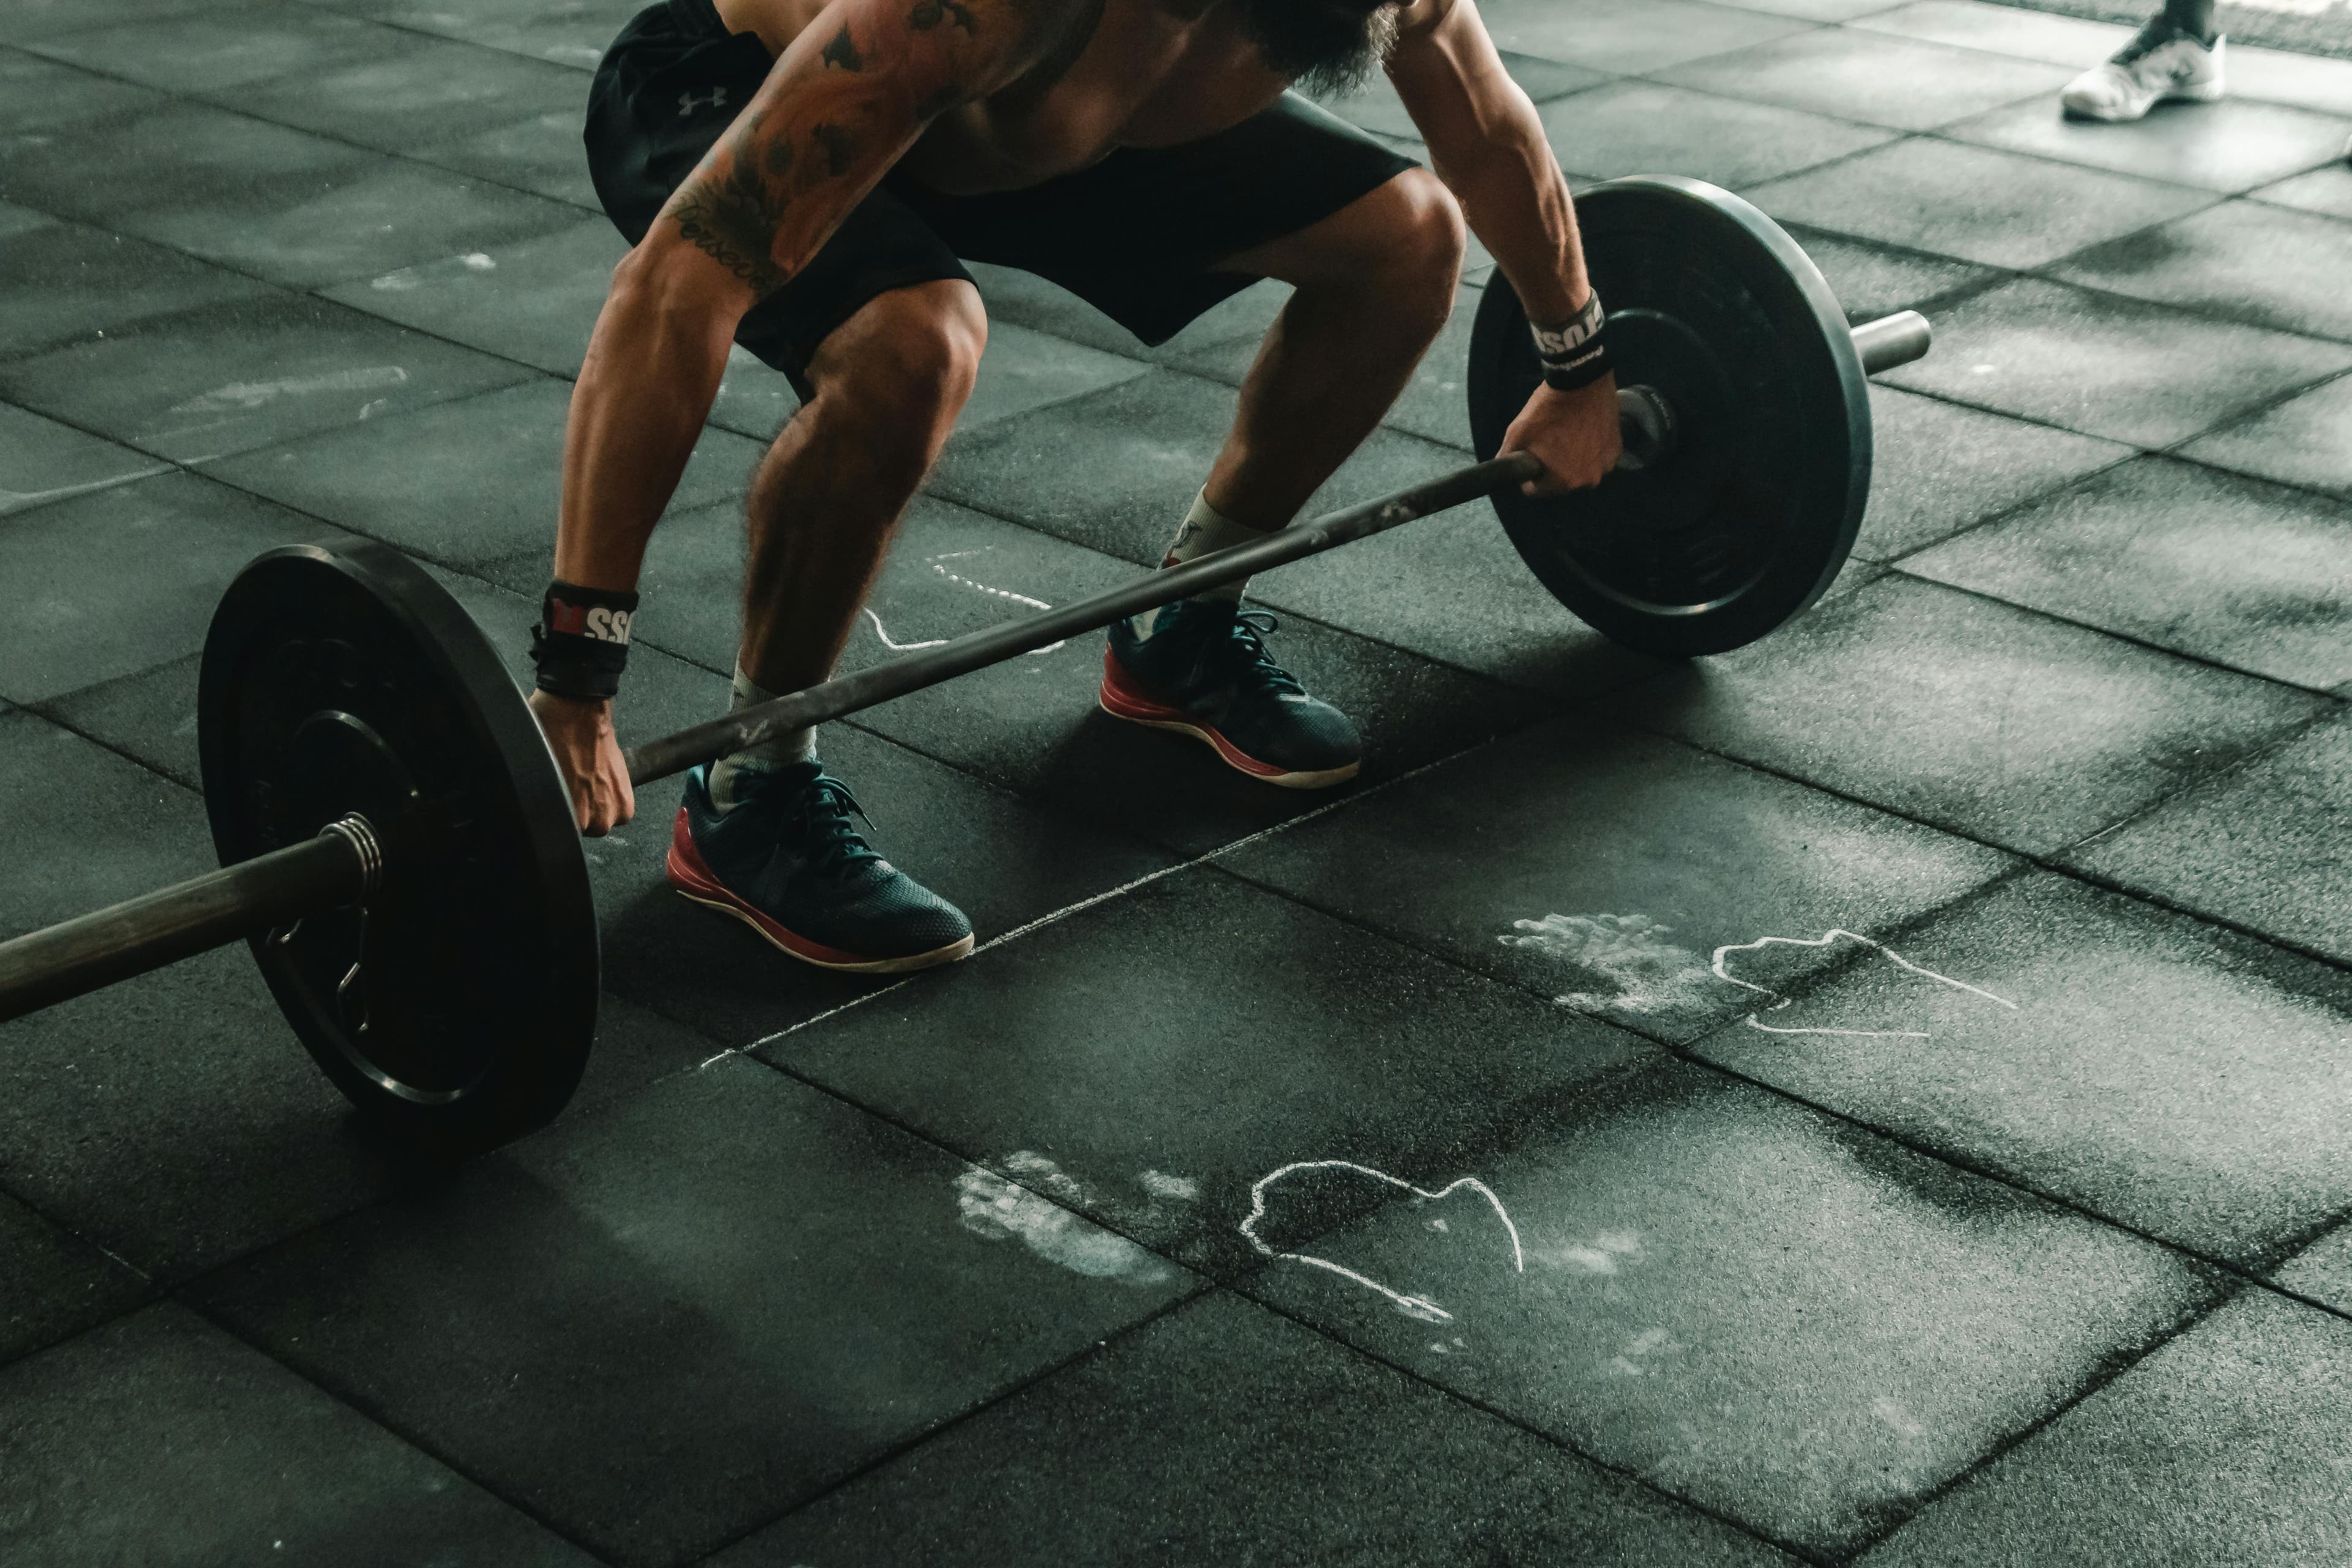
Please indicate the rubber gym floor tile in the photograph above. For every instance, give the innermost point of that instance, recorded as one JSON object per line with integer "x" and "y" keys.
{"x": 1452, "y": 589}
{"x": 695, "y": 1309}
{"x": 572, "y": 33}
{"x": 2322, "y": 85}
{"x": 175, "y": 1120}
{"x": 398, "y": 215}
{"x": 54, "y": 1285}
{"x": 125, "y": 578}
{"x": 2245, "y": 260}
{"x": 2110, "y": 367}
{"x": 1028, "y": 300}
{"x": 64, "y": 281}
{"x": 1153, "y": 1092}
{"x": 415, "y": 89}
{"x": 533, "y": 300}
{"x": 161, "y": 1438}
{"x": 1975, "y": 716}
{"x": 1601, "y": 866}
{"x": 2265, "y": 847}
{"x": 1870, "y": 78}
{"x": 53, "y": 786}
{"x": 540, "y": 153}
{"x": 218, "y": 54}
{"x": 1375, "y": 105}
{"x": 755, "y": 399}
{"x": 39, "y": 98}
{"x": 1770, "y": 1313}
{"x": 2208, "y": 564}
{"x": 2322, "y": 1271}
{"x": 1628, "y": 36}
{"x": 2225, "y": 1446}
{"x": 2307, "y": 440}
{"x": 2226, "y": 146}
{"x": 178, "y": 161}
{"x": 463, "y": 483}
{"x": 2002, "y": 30}
{"x": 1024, "y": 369}
{"x": 1939, "y": 467}
{"x": 2181, "y": 1080}
{"x": 1815, "y": 10}
{"x": 17, "y": 220}
{"x": 1434, "y": 404}
{"x": 1640, "y": 128}
{"x": 1997, "y": 209}
{"x": 30, "y": 19}
{"x": 1115, "y": 470}
{"x": 55, "y": 461}
{"x": 2327, "y": 192}
{"x": 246, "y": 374}
{"x": 1872, "y": 280}
{"x": 1222, "y": 1434}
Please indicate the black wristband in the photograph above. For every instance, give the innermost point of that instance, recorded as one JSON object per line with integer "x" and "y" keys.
{"x": 582, "y": 642}
{"x": 1574, "y": 354}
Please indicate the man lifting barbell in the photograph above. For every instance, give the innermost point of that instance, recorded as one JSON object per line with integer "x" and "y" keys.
{"x": 807, "y": 179}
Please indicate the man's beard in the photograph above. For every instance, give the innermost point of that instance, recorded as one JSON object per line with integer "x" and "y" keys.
{"x": 1327, "y": 47}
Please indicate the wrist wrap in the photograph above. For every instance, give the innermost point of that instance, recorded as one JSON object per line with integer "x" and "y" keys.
{"x": 1573, "y": 353}
{"x": 582, "y": 642}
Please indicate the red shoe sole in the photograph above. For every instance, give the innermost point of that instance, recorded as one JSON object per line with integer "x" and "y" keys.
{"x": 1121, "y": 701}
{"x": 692, "y": 877}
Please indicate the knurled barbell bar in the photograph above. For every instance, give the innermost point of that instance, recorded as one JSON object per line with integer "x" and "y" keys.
{"x": 400, "y": 851}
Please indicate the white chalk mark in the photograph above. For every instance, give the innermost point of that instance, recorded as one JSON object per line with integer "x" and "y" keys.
{"x": 1176, "y": 1189}
{"x": 243, "y": 397}
{"x": 997, "y": 1208}
{"x": 1419, "y": 1307}
{"x": 1630, "y": 952}
{"x": 900, "y": 647}
{"x": 995, "y": 593}
{"x": 1824, "y": 939}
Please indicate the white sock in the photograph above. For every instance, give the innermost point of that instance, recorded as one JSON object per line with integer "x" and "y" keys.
{"x": 1206, "y": 531}
{"x": 734, "y": 774}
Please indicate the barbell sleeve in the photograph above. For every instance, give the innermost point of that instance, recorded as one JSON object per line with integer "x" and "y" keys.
{"x": 44, "y": 967}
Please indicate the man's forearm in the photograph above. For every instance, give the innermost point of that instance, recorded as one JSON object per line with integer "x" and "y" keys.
{"x": 1517, "y": 202}
{"x": 650, "y": 378}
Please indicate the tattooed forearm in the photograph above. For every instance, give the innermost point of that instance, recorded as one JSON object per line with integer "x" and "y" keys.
{"x": 843, "y": 51}
{"x": 840, "y": 144}
{"x": 930, "y": 14}
{"x": 733, "y": 221}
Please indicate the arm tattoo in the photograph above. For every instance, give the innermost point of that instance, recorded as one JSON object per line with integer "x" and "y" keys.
{"x": 840, "y": 144}
{"x": 733, "y": 220}
{"x": 928, "y": 13}
{"x": 843, "y": 51}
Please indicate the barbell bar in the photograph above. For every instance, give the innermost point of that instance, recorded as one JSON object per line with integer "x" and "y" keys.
{"x": 400, "y": 852}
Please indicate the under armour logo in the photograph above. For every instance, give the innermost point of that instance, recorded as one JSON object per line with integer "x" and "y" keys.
{"x": 686, "y": 103}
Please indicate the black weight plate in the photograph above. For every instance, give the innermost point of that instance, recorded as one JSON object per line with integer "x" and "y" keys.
{"x": 458, "y": 1008}
{"x": 1747, "y": 522}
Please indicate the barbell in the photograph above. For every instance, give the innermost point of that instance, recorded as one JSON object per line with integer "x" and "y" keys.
{"x": 400, "y": 852}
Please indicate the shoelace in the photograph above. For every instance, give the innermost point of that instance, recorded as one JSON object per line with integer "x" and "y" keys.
{"x": 2153, "y": 35}
{"x": 1246, "y": 659}
{"x": 819, "y": 818}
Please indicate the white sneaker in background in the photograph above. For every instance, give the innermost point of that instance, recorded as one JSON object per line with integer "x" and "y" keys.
{"x": 2161, "y": 64}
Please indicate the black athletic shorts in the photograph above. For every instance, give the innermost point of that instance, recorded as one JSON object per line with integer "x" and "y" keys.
{"x": 1137, "y": 236}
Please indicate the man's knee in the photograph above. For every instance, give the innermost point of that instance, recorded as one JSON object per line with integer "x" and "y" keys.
{"x": 1424, "y": 257}
{"x": 905, "y": 366}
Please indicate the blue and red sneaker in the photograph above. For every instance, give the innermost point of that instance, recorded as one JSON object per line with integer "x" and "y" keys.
{"x": 787, "y": 862}
{"x": 1204, "y": 671}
